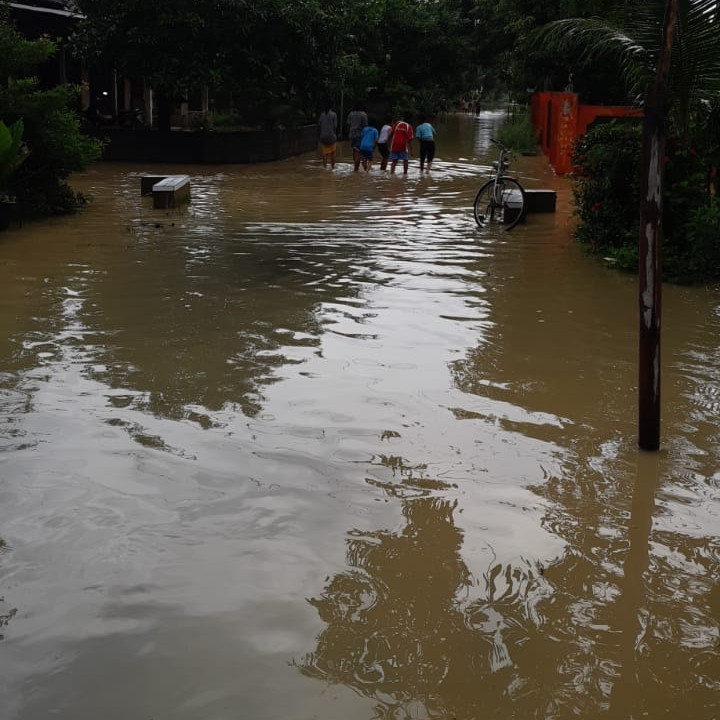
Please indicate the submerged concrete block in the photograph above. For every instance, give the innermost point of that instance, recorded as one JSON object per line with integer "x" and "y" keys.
{"x": 512, "y": 208}
{"x": 171, "y": 192}
{"x": 540, "y": 201}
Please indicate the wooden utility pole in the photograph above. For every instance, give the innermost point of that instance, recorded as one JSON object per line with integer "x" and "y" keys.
{"x": 650, "y": 240}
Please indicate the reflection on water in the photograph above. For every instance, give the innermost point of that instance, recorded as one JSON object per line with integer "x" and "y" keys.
{"x": 487, "y": 123}
{"x": 6, "y": 613}
{"x": 403, "y": 630}
{"x": 332, "y": 386}
{"x": 596, "y": 631}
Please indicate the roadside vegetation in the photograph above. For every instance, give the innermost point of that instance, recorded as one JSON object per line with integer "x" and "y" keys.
{"x": 607, "y": 196}
{"x": 37, "y": 162}
{"x": 277, "y": 61}
{"x": 274, "y": 63}
{"x": 518, "y": 134}
{"x": 607, "y": 159}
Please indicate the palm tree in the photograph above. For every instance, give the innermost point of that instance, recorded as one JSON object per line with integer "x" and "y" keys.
{"x": 634, "y": 44}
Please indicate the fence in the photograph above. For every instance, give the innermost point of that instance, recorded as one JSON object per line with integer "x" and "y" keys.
{"x": 144, "y": 145}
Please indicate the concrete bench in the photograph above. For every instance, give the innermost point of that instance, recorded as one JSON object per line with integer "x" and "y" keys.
{"x": 536, "y": 201}
{"x": 512, "y": 207}
{"x": 171, "y": 191}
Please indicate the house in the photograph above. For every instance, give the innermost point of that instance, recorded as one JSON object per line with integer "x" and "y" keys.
{"x": 116, "y": 105}
{"x": 105, "y": 96}
{"x": 54, "y": 19}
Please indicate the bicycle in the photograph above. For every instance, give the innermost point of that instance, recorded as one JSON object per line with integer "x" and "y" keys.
{"x": 502, "y": 198}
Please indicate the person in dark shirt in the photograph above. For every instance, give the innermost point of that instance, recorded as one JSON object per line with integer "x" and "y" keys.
{"x": 356, "y": 121}
{"x": 327, "y": 130}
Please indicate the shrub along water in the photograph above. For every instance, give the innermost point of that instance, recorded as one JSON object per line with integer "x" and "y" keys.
{"x": 53, "y": 146}
{"x": 518, "y": 134}
{"x": 12, "y": 154}
{"x": 607, "y": 196}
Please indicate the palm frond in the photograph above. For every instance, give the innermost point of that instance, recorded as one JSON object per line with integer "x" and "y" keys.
{"x": 695, "y": 60}
{"x": 633, "y": 48}
{"x": 592, "y": 40}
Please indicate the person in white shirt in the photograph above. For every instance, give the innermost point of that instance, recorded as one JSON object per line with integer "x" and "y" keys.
{"x": 383, "y": 143}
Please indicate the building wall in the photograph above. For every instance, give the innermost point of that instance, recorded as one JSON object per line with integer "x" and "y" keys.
{"x": 559, "y": 119}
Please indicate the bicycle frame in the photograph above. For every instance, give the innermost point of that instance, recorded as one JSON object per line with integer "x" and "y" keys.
{"x": 499, "y": 166}
{"x": 499, "y": 193}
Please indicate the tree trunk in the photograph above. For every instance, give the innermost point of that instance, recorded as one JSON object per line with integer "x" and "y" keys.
{"x": 650, "y": 241}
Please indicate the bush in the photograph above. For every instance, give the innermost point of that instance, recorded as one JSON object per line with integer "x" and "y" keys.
{"x": 607, "y": 199}
{"x": 685, "y": 200}
{"x": 518, "y": 134}
{"x": 701, "y": 257}
{"x": 52, "y": 133}
{"x": 607, "y": 190}
{"x": 230, "y": 118}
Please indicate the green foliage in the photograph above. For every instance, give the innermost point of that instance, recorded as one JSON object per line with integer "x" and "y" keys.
{"x": 254, "y": 56}
{"x": 509, "y": 59}
{"x": 607, "y": 188}
{"x": 702, "y": 258}
{"x": 685, "y": 193}
{"x": 518, "y": 133}
{"x": 629, "y": 41}
{"x": 607, "y": 198}
{"x": 171, "y": 45}
{"x": 691, "y": 217}
{"x": 278, "y": 61}
{"x": 411, "y": 103}
{"x": 56, "y": 148}
{"x": 705, "y": 138}
{"x": 258, "y": 55}
{"x": 18, "y": 56}
{"x": 12, "y": 152}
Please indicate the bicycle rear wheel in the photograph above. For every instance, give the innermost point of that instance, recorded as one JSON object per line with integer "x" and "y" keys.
{"x": 499, "y": 204}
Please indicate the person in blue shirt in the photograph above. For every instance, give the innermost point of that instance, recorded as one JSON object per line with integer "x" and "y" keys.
{"x": 368, "y": 140}
{"x": 425, "y": 133}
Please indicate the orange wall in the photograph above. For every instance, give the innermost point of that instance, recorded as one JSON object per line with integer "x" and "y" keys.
{"x": 589, "y": 113}
{"x": 559, "y": 119}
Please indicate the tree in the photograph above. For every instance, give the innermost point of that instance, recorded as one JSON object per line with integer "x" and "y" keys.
{"x": 277, "y": 60}
{"x": 631, "y": 40}
{"x": 12, "y": 152}
{"x": 55, "y": 145}
{"x": 172, "y": 46}
{"x": 411, "y": 55}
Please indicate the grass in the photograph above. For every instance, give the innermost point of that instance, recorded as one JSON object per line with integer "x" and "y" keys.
{"x": 518, "y": 134}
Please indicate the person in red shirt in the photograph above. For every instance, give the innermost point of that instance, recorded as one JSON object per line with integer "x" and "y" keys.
{"x": 400, "y": 136}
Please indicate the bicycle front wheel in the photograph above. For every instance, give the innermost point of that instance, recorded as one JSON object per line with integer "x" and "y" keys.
{"x": 499, "y": 203}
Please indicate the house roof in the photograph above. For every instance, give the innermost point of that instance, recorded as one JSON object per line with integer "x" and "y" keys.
{"x": 64, "y": 8}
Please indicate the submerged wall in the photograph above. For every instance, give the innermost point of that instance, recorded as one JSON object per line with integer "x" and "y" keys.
{"x": 139, "y": 145}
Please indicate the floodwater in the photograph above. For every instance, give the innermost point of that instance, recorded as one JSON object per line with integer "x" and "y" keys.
{"x": 317, "y": 447}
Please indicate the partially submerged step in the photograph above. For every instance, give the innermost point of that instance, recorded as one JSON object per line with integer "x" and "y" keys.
{"x": 171, "y": 192}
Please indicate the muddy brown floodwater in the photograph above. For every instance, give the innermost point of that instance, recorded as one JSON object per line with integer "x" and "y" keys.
{"x": 317, "y": 447}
